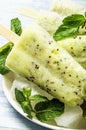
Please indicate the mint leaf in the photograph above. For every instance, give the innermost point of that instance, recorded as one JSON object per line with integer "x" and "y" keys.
{"x": 48, "y": 110}
{"x": 19, "y": 96}
{"x": 26, "y": 92}
{"x": 27, "y": 108}
{"x": 74, "y": 20}
{"x": 23, "y": 99}
{"x": 4, "y": 51}
{"x": 64, "y": 32}
{"x": 16, "y": 26}
{"x": 38, "y": 98}
{"x": 70, "y": 26}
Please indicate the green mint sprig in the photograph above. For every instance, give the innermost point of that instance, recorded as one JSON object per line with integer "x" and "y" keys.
{"x": 43, "y": 108}
{"x": 70, "y": 26}
{"x": 15, "y": 26}
{"x": 4, "y": 50}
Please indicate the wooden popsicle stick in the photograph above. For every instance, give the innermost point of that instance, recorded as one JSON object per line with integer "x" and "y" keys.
{"x": 8, "y": 34}
{"x": 29, "y": 12}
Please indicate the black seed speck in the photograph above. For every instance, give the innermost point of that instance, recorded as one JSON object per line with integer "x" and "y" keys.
{"x": 37, "y": 44}
{"x": 71, "y": 47}
{"x": 80, "y": 38}
{"x": 30, "y": 78}
{"x": 84, "y": 49}
{"x": 48, "y": 90}
{"x": 27, "y": 78}
{"x": 66, "y": 67}
{"x": 79, "y": 86}
{"x": 72, "y": 52}
{"x": 60, "y": 60}
{"x": 48, "y": 62}
{"x": 46, "y": 85}
{"x": 49, "y": 42}
{"x": 76, "y": 76}
{"x": 49, "y": 56}
{"x": 33, "y": 63}
{"x": 47, "y": 80}
{"x": 79, "y": 81}
{"x": 57, "y": 49}
{"x": 55, "y": 62}
{"x": 52, "y": 82}
{"x": 63, "y": 72}
{"x": 76, "y": 93}
{"x": 36, "y": 66}
{"x": 59, "y": 68}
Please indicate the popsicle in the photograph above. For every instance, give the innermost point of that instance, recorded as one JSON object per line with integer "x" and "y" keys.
{"x": 76, "y": 47}
{"x": 50, "y": 21}
{"x": 38, "y": 58}
{"x": 65, "y": 7}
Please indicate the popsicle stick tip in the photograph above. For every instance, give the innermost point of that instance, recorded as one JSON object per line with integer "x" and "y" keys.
{"x": 29, "y": 12}
{"x": 8, "y": 34}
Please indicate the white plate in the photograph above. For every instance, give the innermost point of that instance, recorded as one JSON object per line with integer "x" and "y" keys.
{"x": 7, "y": 81}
